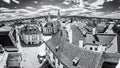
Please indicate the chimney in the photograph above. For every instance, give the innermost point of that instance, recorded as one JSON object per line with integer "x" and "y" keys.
{"x": 75, "y": 61}
{"x": 93, "y": 31}
{"x": 57, "y": 48}
{"x": 101, "y": 49}
{"x": 69, "y": 30}
{"x": 81, "y": 43}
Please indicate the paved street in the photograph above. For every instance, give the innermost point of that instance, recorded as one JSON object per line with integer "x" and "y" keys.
{"x": 29, "y": 55}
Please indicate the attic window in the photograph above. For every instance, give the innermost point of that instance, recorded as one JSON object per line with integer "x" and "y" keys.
{"x": 76, "y": 61}
{"x": 95, "y": 49}
{"x": 96, "y": 38}
{"x": 94, "y": 42}
{"x": 91, "y": 48}
{"x": 57, "y": 48}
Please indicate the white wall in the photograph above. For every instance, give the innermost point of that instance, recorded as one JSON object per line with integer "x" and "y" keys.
{"x": 118, "y": 65}
{"x": 114, "y": 47}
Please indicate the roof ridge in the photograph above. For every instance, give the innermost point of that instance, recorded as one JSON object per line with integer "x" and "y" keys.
{"x": 11, "y": 37}
{"x": 99, "y": 61}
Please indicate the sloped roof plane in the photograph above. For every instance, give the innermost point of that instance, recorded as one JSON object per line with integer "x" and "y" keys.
{"x": 68, "y": 52}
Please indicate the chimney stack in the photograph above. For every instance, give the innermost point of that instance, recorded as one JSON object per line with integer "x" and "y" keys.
{"x": 101, "y": 48}
{"x": 69, "y": 30}
{"x": 93, "y": 31}
{"x": 81, "y": 43}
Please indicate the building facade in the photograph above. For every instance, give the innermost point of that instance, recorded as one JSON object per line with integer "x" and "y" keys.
{"x": 53, "y": 59}
{"x": 61, "y": 54}
{"x": 31, "y": 34}
{"x": 51, "y": 27}
{"x": 14, "y": 60}
{"x": 3, "y": 58}
{"x": 82, "y": 51}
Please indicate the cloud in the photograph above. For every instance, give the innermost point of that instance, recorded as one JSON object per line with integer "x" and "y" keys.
{"x": 23, "y": 12}
{"x": 47, "y": 8}
{"x": 89, "y": 10}
{"x": 50, "y": 7}
{"x": 35, "y": 2}
{"x": 30, "y": 8}
{"x": 91, "y": 4}
{"x": 6, "y": 10}
{"x": 109, "y": 0}
{"x": 66, "y": 3}
{"x": 7, "y": 1}
{"x": 2, "y": 8}
{"x": 16, "y": 1}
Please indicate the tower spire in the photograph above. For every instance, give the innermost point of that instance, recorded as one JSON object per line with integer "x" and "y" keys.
{"x": 49, "y": 17}
{"x": 58, "y": 15}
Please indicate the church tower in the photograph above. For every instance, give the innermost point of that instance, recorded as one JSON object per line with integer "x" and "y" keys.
{"x": 49, "y": 17}
{"x": 58, "y": 15}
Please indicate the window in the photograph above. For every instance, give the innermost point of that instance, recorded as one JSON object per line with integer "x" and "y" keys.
{"x": 91, "y": 48}
{"x": 53, "y": 57}
{"x": 95, "y": 49}
{"x": 53, "y": 63}
{"x": 64, "y": 67}
{"x": 93, "y": 41}
{"x": 59, "y": 63}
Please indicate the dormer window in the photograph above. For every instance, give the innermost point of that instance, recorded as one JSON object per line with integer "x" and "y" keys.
{"x": 76, "y": 61}
{"x": 91, "y": 48}
{"x": 96, "y": 49}
{"x": 57, "y": 48}
{"x": 94, "y": 42}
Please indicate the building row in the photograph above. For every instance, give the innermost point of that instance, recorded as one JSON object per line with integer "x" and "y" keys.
{"x": 32, "y": 32}
{"x": 95, "y": 50}
{"x": 8, "y": 47}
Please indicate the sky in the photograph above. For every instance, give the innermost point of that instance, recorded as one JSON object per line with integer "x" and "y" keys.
{"x": 30, "y": 8}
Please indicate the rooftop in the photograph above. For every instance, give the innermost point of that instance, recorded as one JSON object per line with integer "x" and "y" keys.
{"x": 99, "y": 38}
{"x": 30, "y": 29}
{"x": 77, "y": 35}
{"x": 5, "y": 28}
{"x": 68, "y": 52}
{"x": 6, "y": 37}
{"x": 14, "y": 59}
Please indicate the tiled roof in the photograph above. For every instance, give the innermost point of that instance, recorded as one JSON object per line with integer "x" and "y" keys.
{"x": 100, "y": 28}
{"x": 49, "y": 24}
{"x": 14, "y": 59}
{"x": 30, "y": 29}
{"x": 118, "y": 42}
{"x": 77, "y": 35}
{"x": 104, "y": 39}
{"x": 14, "y": 34}
{"x": 1, "y": 48}
{"x": 6, "y": 38}
{"x": 111, "y": 57}
{"x": 68, "y": 52}
{"x": 5, "y": 28}
{"x": 4, "y": 32}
